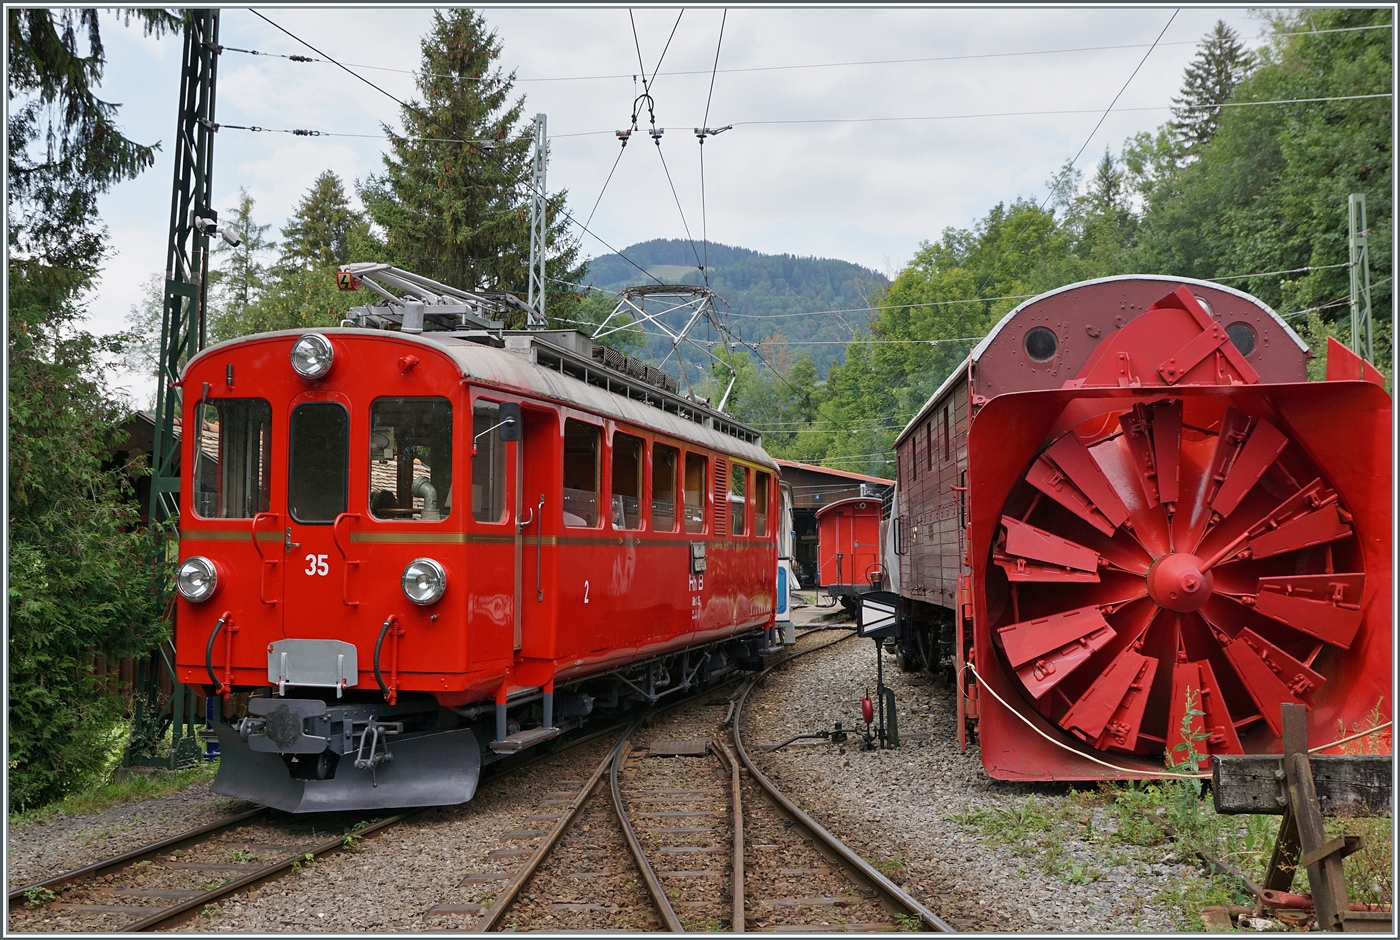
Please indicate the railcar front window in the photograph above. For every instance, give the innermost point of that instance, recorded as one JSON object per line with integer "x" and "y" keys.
{"x": 233, "y": 451}
{"x": 663, "y": 488}
{"x": 410, "y": 459}
{"x": 488, "y": 464}
{"x": 738, "y": 494}
{"x": 626, "y": 482}
{"x": 581, "y": 446}
{"x": 761, "y": 484}
{"x": 695, "y": 480}
{"x": 317, "y": 480}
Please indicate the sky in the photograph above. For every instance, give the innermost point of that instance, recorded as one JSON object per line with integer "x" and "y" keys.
{"x": 984, "y": 104}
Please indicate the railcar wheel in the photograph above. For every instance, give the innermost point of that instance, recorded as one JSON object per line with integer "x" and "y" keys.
{"x": 1176, "y": 572}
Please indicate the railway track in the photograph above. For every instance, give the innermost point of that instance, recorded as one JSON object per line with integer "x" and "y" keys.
{"x": 166, "y": 883}
{"x": 676, "y": 840}
{"x": 706, "y": 849}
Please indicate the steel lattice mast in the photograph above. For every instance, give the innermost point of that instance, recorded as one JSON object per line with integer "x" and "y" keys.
{"x": 182, "y": 334}
{"x": 539, "y": 224}
{"x": 182, "y": 331}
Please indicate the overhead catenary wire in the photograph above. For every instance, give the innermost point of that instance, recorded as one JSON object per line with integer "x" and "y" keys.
{"x": 817, "y": 65}
{"x": 429, "y": 117}
{"x": 702, "y": 133}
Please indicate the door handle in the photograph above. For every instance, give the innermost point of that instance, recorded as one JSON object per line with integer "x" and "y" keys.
{"x": 539, "y": 549}
{"x": 347, "y": 518}
{"x": 523, "y": 524}
{"x": 273, "y": 562}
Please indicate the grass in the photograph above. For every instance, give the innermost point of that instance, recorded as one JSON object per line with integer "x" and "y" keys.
{"x": 116, "y": 793}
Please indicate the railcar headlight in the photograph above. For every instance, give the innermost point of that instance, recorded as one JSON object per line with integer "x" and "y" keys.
{"x": 196, "y": 579}
{"x": 424, "y": 581}
{"x": 312, "y": 356}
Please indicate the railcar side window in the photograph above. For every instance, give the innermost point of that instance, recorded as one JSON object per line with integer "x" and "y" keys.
{"x": 696, "y": 478}
{"x": 232, "y": 457}
{"x": 738, "y": 494}
{"x": 626, "y": 482}
{"x": 761, "y": 484}
{"x": 410, "y": 453}
{"x": 318, "y": 475}
{"x": 488, "y": 464}
{"x": 581, "y": 446}
{"x": 663, "y": 488}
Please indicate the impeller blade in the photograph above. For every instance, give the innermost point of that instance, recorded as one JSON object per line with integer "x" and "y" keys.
{"x": 1245, "y": 449}
{"x": 1109, "y": 714}
{"x": 1212, "y": 731}
{"x": 1026, "y": 541}
{"x": 1271, "y": 676}
{"x": 1046, "y": 650}
{"x": 1327, "y": 606}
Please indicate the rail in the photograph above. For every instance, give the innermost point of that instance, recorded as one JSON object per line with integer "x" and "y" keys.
{"x": 851, "y": 862}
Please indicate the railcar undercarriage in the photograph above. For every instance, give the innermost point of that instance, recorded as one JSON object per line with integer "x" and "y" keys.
{"x": 323, "y": 753}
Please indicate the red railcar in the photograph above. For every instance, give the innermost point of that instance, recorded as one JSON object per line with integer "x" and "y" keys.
{"x": 848, "y": 547}
{"x": 1127, "y": 514}
{"x": 422, "y": 552}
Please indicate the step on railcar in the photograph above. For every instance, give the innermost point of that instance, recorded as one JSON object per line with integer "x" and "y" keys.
{"x": 1130, "y": 529}
{"x": 424, "y": 551}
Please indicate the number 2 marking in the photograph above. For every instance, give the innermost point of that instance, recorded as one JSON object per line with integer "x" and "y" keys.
{"x": 585, "y": 592}
{"x": 317, "y": 565}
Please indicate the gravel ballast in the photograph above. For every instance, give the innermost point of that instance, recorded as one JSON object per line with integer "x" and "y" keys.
{"x": 912, "y": 809}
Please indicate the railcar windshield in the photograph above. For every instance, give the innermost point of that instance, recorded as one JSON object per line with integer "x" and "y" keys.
{"x": 696, "y": 477}
{"x": 663, "y": 488}
{"x": 581, "y": 452}
{"x": 410, "y": 450}
{"x": 318, "y": 475}
{"x": 488, "y": 464}
{"x": 233, "y": 450}
{"x": 626, "y": 482}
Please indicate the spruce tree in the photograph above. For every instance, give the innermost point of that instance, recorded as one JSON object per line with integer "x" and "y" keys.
{"x": 454, "y": 199}
{"x": 325, "y": 230}
{"x": 242, "y": 276}
{"x": 1220, "y": 65}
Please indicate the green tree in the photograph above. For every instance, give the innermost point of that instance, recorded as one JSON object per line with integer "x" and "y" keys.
{"x": 65, "y": 149}
{"x": 242, "y": 275}
{"x": 325, "y": 231}
{"x": 1220, "y": 65}
{"x": 296, "y": 298}
{"x": 80, "y": 578}
{"x": 454, "y": 200}
{"x": 1268, "y": 193}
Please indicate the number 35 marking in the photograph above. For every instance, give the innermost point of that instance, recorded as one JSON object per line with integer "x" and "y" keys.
{"x": 316, "y": 565}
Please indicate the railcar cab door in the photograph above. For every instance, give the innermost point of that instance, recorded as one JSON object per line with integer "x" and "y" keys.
{"x": 318, "y": 490}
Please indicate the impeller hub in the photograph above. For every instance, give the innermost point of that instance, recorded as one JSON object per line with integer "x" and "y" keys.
{"x": 1177, "y": 582}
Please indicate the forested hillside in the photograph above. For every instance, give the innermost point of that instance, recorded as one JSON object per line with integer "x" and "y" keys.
{"x": 798, "y": 305}
{"x": 1238, "y": 187}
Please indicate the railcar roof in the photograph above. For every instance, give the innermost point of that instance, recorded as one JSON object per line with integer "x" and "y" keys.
{"x": 846, "y": 502}
{"x": 986, "y": 341}
{"x": 511, "y": 371}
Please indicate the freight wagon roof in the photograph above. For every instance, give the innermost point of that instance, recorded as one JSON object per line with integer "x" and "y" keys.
{"x": 511, "y": 371}
{"x": 986, "y": 341}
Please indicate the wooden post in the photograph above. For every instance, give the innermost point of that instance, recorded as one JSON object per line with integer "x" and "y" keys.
{"x": 1322, "y": 859}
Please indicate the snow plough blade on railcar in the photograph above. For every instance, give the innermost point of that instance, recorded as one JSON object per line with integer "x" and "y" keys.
{"x": 1163, "y": 555}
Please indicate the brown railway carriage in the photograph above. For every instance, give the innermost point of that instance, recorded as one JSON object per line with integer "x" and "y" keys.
{"x": 1079, "y": 531}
